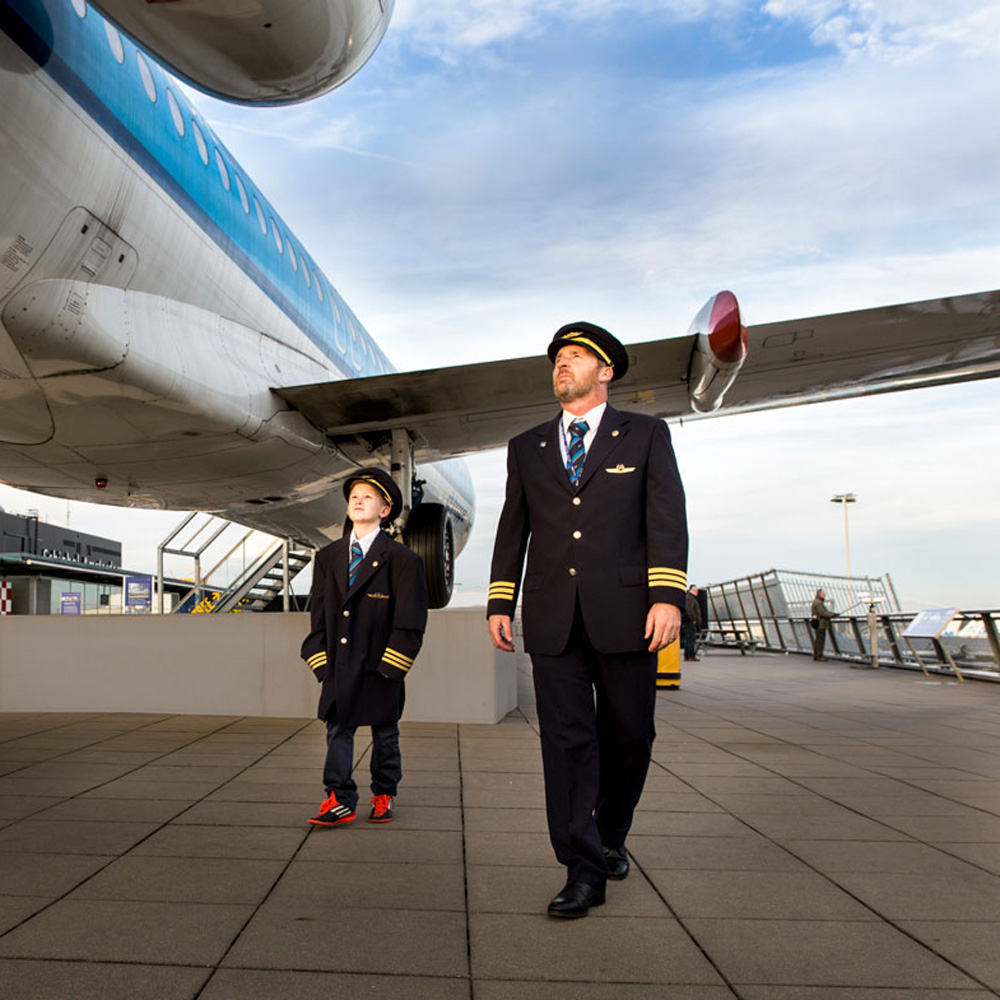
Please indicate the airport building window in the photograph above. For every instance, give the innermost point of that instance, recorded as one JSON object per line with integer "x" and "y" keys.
{"x": 199, "y": 140}
{"x": 277, "y": 236}
{"x": 244, "y": 200}
{"x": 147, "y": 77}
{"x": 80, "y": 7}
{"x": 115, "y": 41}
{"x": 260, "y": 215}
{"x": 175, "y": 113}
{"x": 223, "y": 173}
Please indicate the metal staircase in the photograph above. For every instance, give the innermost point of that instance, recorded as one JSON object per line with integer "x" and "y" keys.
{"x": 248, "y": 576}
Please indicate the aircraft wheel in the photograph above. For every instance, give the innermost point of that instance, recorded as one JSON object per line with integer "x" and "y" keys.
{"x": 429, "y": 533}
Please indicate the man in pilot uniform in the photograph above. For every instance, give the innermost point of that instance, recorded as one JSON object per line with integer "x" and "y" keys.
{"x": 368, "y": 606}
{"x": 595, "y": 500}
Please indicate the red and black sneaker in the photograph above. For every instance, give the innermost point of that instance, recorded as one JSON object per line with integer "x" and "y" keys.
{"x": 332, "y": 813}
{"x": 381, "y": 809}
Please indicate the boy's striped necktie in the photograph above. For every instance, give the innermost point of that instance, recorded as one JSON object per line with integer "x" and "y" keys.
{"x": 352, "y": 568}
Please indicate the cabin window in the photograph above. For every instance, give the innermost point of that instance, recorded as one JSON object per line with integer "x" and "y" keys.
{"x": 319, "y": 287}
{"x": 291, "y": 256}
{"x": 244, "y": 200}
{"x": 175, "y": 112}
{"x": 277, "y": 236}
{"x": 199, "y": 140}
{"x": 147, "y": 77}
{"x": 260, "y": 215}
{"x": 305, "y": 274}
{"x": 115, "y": 41}
{"x": 223, "y": 173}
{"x": 80, "y": 7}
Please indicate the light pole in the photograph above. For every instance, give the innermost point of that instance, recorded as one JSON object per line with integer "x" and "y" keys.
{"x": 845, "y": 499}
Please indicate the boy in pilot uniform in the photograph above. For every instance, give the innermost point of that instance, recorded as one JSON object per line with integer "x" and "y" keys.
{"x": 369, "y": 610}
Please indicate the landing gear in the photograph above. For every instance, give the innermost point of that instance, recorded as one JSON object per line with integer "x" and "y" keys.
{"x": 430, "y": 534}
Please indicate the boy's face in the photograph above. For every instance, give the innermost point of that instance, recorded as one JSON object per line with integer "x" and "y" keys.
{"x": 366, "y": 506}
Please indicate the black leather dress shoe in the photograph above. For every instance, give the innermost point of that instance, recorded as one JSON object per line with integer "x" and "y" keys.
{"x": 575, "y": 899}
{"x": 617, "y": 861}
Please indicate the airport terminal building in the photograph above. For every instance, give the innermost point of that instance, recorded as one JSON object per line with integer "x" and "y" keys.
{"x": 50, "y": 569}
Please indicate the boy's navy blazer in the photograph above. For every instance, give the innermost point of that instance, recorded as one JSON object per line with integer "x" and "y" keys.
{"x": 364, "y": 639}
{"x": 617, "y": 543}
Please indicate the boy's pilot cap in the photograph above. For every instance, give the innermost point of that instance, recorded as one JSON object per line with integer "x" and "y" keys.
{"x": 384, "y": 485}
{"x": 597, "y": 340}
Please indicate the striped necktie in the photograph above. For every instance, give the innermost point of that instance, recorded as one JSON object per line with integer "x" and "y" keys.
{"x": 352, "y": 569}
{"x": 575, "y": 453}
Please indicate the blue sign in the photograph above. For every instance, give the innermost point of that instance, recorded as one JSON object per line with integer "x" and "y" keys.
{"x": 70, "y": 603}
{"x": 138, "y": 595}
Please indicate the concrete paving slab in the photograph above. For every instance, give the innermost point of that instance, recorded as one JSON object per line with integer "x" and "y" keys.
{"x": 95, "y": 810}
{"x": 971, "y": 946}
{"x": 800, "y": 895}
{"x": 247, "y": 984}
{"x": 183, "y": 880}
{"x": 745, "y": 853}
{"x": 840, "y": 826}
{"x": 146, "y": 933}
{"x": 48, "y": 875}
{"x": 618, "y": 949}
{"x": 275, "y": 843}
{"x": 216, "y": 813}
{"x": 694, "y": 824}
{"x": 34, "y": 980}
{"x": 959, "y": 896}
{"x": 18, "y": 806}
{"x": 130, "y": 788}
{"x": 498, "y": 847}
{"x": 832, "y": 857}
{"x": 337, "y": 938}
{"x": 499, "y": 990}
{"x": 77, "y": 837}
{"x": 380, "y": 842}
{"x": 15, "y": 909}
{"x": 857, "y": 993}
{"x": 482, "y": 820}
{"x": 822, "y": 952}
{"x": 375, "y": 885}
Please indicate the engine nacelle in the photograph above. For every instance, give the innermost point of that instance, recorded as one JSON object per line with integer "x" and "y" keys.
{"x": 265, "y": 52}
{"x": 720, "y": 349}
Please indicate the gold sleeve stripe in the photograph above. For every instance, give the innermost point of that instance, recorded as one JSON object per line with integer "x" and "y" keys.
{"x": 663, "y": 576}
{"x": 317, "y": 660}
{"x": 502, "y": 590}
{"x": 397, "y": 659}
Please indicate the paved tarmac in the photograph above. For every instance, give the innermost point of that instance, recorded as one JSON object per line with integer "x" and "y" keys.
{"x": 808, "y": 832}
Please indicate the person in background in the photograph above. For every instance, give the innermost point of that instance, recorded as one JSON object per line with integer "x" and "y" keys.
{"x": 692, "y": 624}
{"x": 821, "y": 617}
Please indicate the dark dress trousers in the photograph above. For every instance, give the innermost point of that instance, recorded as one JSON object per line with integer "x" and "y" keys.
{"x": 597, "y": 558}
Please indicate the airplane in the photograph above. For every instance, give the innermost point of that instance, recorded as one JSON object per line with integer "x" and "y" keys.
{"x": 166, "y": 341}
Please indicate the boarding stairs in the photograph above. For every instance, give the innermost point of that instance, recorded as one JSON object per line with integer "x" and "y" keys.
{"x": 248, "y": 575}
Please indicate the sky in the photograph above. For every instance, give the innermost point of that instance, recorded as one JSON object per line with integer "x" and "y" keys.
{"x": 502, "y": 167}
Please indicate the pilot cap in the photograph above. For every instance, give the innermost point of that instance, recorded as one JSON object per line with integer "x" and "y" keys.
{"x": 597, "y": 340}
{"x": 384, "y": 485}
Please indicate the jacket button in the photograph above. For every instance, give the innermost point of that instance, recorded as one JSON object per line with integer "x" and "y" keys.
{"x": 576, "y": 501}
{"x": 572, "y": 572}
{"x": 347, "y": 614}
{"x": 343, "y": 641}
{"x": 578, "y": 534}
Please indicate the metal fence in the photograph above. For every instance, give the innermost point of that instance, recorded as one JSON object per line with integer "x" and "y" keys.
{"x": 771, "y": 611}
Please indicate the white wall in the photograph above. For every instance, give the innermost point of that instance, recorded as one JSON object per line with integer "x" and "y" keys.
{"x": 239, "y": 664}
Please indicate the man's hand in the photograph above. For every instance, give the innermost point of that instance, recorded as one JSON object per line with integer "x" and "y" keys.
{"x": 663, "y": 625}
{"x": 502, "y": 632}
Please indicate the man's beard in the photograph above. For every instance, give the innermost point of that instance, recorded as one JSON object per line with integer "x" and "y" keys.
{"x": 572, "y": 389}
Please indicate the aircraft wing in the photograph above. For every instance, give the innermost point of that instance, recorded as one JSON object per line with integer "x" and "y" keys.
{"x": 468, "y": 408}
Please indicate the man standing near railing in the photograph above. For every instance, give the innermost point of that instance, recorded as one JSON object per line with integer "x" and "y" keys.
{"x": 821, "y": 618}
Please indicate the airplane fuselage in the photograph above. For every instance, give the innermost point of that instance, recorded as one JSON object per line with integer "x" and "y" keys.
{"x": 151, "y": 297}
